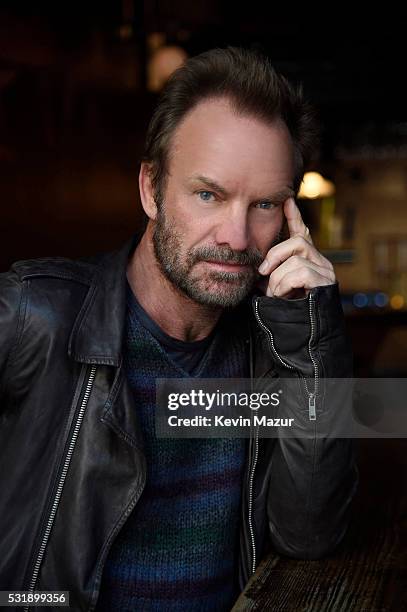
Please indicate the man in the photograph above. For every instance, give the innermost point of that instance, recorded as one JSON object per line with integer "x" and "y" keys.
{"x": 92, "y": 501}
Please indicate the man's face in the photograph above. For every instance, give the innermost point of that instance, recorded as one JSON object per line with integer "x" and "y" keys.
{"x": 228, "y": 178}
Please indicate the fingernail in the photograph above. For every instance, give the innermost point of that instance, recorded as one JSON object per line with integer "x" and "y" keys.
{"x": 263, "y": 266}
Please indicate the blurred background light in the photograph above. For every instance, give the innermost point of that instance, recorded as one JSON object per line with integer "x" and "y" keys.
{"x": 314, "y": 185}
{"x": 360, "y": 300}
{"x": 381, "y": 299}
{"x": 163, "y": 62}
{"x": 397, "y": 301}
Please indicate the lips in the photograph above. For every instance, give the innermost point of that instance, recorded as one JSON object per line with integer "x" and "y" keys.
{"x": 227, "y": 265}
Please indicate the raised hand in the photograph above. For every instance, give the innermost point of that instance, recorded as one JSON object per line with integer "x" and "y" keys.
{"x": 295, "y": 266}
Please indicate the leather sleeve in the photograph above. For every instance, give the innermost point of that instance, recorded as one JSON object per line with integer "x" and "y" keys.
{"x": 11, "y": 316}
{"x": 312, "y": 479}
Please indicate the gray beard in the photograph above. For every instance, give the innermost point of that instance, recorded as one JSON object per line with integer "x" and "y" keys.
{"x": 216, "y": 288}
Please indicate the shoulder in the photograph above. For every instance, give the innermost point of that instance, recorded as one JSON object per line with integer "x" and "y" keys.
{"x": 47, "y": 289}
{"x": 80, "y": 271}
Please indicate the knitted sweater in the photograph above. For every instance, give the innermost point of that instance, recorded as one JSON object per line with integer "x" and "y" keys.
{"x": 178, "y": 550}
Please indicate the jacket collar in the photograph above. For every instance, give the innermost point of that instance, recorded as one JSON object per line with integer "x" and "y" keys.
{"x": 97, "y": 334}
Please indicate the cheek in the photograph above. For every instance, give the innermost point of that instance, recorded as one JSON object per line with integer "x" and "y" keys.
{"x": 197, "y": 226}
{"x": 192, "y": 230}
{"x": 181, "y": 212}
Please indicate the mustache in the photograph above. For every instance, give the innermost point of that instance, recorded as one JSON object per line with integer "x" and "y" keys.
{"x": 249, "y": 257}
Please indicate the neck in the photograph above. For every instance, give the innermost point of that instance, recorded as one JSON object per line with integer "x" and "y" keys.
{"x": 178, "y": 315}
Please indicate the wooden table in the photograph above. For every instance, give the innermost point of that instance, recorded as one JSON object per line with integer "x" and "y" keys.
{"x": 368, "y": 572}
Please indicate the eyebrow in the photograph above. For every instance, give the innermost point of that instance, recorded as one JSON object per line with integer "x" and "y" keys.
{"x": 277, "y": 196}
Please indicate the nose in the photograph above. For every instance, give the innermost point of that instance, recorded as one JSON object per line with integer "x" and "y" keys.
{"x": 233, "y": 229}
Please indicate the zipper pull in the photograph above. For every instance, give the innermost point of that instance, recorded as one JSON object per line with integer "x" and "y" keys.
{"x": 311, "y": 407}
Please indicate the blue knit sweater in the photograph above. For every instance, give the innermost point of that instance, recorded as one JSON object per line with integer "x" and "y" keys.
{"x": 178, "y": 551}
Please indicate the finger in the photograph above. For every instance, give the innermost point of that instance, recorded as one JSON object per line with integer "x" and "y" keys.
{"x": 293, "y": 246}
{"x": 296, "y": 225}
{"x": 305, "y": 279}
{"x": 302, "y": 267}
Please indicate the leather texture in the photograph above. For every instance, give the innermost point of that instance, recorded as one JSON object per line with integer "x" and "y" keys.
{"x": 72, "y": 466}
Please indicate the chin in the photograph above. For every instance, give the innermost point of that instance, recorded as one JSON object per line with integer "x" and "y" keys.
{"x": 221, "y": 296}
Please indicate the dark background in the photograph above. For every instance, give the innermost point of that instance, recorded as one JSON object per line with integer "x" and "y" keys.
{"x": 74, "y": 109}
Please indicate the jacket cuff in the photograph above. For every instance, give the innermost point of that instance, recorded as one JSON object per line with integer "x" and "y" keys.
{"x": 289, "y": 322}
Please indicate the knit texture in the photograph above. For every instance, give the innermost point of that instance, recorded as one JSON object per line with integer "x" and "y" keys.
{"x": 178, "y": 551}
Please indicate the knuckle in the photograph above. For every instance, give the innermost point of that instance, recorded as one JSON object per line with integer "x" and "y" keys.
{"x": 272, "y": 288}
{"x": 307, "y": 274}
{"x": 304, "y": 243}
{"x": 272, "y": 283}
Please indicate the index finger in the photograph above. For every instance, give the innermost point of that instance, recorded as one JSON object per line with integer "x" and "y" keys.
{"x": 296, "y": 225}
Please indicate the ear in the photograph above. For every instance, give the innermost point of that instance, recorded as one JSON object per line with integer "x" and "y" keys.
{"x": 146, "y": 191}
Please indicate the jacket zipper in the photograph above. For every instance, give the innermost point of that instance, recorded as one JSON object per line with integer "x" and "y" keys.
{"x": 250, "y": 511}
{"x": 312, "y": 395}
{"x": 311, "y": 404}
{"x": 61, "y": 482}
{"x": 252, "y": 467}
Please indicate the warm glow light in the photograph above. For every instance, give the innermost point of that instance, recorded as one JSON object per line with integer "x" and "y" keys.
{"x": 315, "y": 186}
{"x": 397, "y": 301}
{"x": 162, "y": 64}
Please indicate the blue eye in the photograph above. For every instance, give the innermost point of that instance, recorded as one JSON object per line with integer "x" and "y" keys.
{"x": 265, "y": 205}
{"x": 205, "y": 195}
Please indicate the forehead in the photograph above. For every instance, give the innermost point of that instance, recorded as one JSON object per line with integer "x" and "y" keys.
{"x": 239, "y": 151}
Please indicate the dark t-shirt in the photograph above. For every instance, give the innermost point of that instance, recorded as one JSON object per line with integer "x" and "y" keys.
{"x": 187, "y": 355}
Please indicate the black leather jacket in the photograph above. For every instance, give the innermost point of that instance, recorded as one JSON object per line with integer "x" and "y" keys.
{"x": 71, "y": 461}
